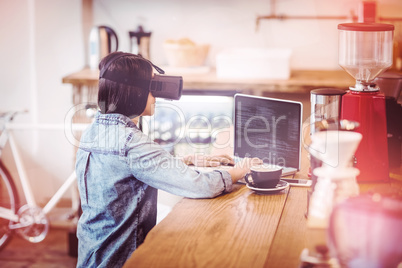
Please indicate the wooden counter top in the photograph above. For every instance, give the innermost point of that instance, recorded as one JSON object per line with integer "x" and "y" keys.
{"x": 85, "y": 77}
{"x": 239, "y": 229}
{"x": 301, "y": 81}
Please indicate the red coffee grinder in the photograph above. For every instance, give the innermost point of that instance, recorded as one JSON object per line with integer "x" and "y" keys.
{"x": 365, "y": 51}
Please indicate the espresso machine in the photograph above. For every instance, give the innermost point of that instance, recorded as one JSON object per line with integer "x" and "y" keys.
{"x": 365, "y": 52}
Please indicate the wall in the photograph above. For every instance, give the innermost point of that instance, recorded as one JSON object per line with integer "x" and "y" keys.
{"x": 41, "y": 41}
{"x": 232, "y": 23}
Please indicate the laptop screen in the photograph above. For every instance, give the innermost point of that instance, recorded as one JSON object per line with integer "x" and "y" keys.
{"x": 269, "y": 129}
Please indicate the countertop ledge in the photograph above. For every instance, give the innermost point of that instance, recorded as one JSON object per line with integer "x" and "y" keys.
{"x": 300, "y": 81}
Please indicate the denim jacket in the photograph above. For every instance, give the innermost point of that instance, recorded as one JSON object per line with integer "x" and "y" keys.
{"x": 119, "y": 170}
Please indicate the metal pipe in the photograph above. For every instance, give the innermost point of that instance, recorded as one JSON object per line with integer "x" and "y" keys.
{"x": 286, "y": 17}
{"x": 389, "y": 19}
{"x": 273, "y": 8}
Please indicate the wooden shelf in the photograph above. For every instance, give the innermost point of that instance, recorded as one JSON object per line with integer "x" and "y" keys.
{"x": 301, "y": 81}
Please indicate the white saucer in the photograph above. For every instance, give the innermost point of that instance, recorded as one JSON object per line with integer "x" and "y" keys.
{"x": 279, "y": 187}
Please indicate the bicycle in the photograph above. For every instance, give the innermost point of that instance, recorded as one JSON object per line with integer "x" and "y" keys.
{"x": 30, "y": 221}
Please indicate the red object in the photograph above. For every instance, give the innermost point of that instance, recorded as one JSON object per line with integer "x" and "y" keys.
{"x": 367, "y": 11}
{"x": 368, "y": 108}
{"x": 366, "y": 27}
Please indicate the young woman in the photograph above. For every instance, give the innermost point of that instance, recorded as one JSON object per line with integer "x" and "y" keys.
{"x": 119, "y": 169}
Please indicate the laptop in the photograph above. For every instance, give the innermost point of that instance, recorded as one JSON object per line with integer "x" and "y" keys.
{"x": 269, "y": 129}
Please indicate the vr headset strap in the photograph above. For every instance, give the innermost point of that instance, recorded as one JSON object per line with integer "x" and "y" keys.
{"x": 110, "y": 61}
{"x": 122, "y": 78}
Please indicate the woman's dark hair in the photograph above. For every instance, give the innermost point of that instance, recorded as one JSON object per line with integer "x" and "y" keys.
{"x": 120, "y": 98}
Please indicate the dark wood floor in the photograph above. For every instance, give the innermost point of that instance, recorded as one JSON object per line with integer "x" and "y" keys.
{"x": 53, "y": 252}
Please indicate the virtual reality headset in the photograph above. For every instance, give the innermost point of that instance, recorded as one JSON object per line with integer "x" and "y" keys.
{"x": 161, "y": 86}
{"x": 166, "y": 86}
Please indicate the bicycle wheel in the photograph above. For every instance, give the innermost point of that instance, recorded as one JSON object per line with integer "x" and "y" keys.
{"x": 9, "y": 200}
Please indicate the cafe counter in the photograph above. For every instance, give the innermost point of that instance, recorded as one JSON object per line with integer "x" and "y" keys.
{"x": 239, "y": 229}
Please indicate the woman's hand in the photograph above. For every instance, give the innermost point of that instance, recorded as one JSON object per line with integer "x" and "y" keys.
{"x": 208, "y": 161}
{"x": 241, "y": 168}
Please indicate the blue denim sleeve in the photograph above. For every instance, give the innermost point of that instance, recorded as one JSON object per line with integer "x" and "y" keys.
{"x": 153, "y": 165}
